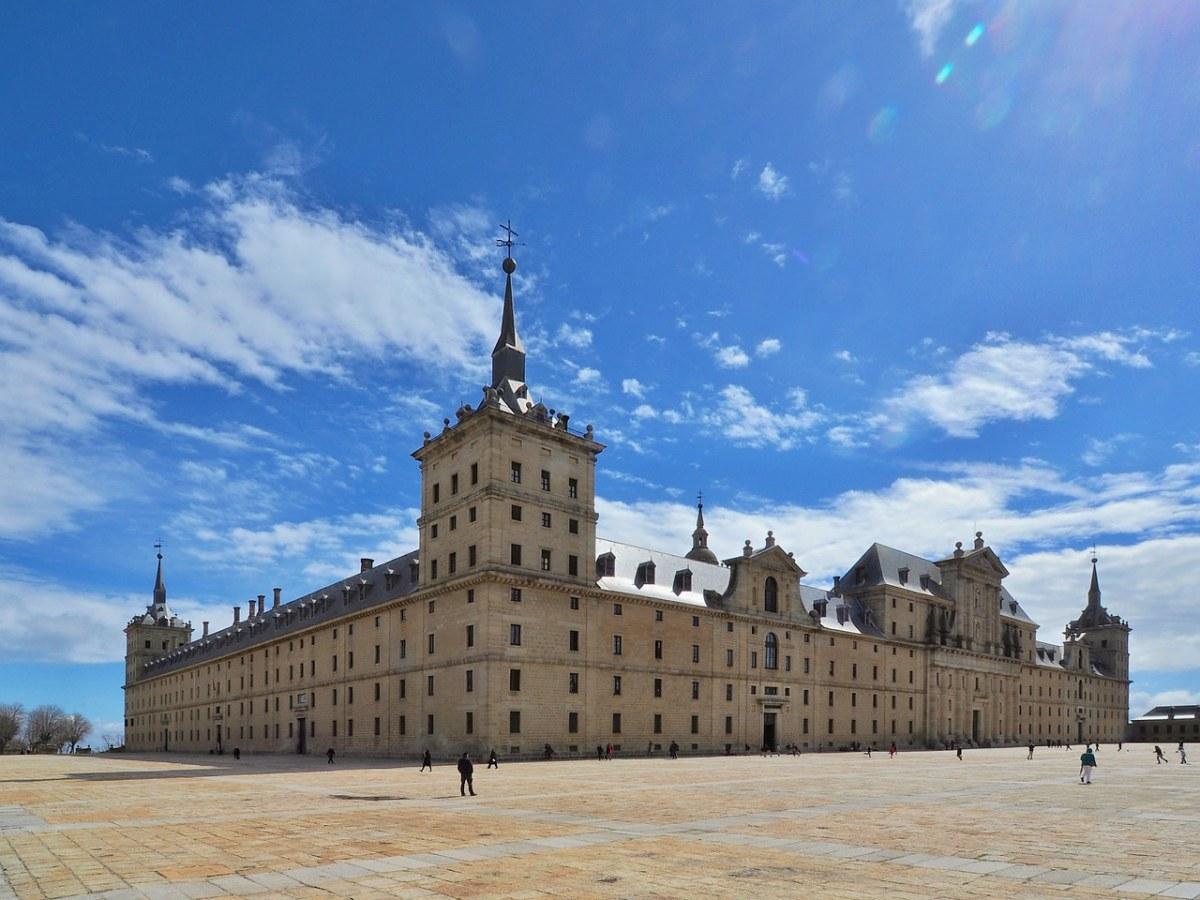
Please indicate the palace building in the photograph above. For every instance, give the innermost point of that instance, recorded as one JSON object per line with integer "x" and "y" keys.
{"x": 513, "y": 626}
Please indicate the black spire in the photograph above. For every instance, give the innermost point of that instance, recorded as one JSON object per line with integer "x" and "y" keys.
{"x": 700, "y": 551}
{"x": 160, "y": 589}
{"x": 508, "y": 356}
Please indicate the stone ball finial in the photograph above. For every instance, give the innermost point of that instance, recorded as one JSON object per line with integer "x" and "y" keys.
{"x": 979, "y": 534}
{"x": 509, "y": 265}
{"x": 747, "y": 549}
{"x": 958, "y": 545}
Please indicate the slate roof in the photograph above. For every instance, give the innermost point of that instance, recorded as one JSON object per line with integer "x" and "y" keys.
{"x": 362, "y": 590}
{"x": 1164, "y": 713}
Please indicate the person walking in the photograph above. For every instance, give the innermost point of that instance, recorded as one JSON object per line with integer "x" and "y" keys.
{"x": 1030, "y": 756}
{"x": 1159, "y": 759}
{"x": 674, "y": 750}
{"x": 599, "y": 753}
{"x": 493, "y": 763}
{"x": 1182, "y": 754}
{"x": 426, "y": 762}
{"x": 466, "y": 773}
{"x": 869, "y": 748}
{"x": 608, "y": 752}
{"x": 329, "y": 755}
{"x": 958, "y": 751}
{"x": 1087, "y": 762}
{"x": 237, "y": 752}
{"x": 892, "y": 751}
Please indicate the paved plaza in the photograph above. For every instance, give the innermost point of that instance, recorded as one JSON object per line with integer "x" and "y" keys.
{"x": 840, "y": 825}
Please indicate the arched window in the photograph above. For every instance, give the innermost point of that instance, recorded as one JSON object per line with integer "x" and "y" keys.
{"x": 771, "y": 595}
{"x": 771, "y": 654}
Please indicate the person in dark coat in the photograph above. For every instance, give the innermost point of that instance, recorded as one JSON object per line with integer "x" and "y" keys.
{"x": 493, "y": 762}
{"x": 427, "y": 762}
{"x": 329, "y": 755}
{"x": 237, "y": 752}
{"x": 466, "y": 772}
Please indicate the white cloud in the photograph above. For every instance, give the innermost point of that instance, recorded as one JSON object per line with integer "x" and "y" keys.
{"x": 252, "y": 286}
{"x": 574, "y": 337}
{"x": 845, "y": 356}
{"x": 732, "y": 357}
{"x": 928, "y": 18}
{"x": 587, "y": 376}
{"x": 767, "y": 347}
{"x": 1008, "y": 379}
{"x": 645, "y": 411}
{"x": 633, "y": 388}
{"x": 739, "y": 169}
{"x": 1192, "y": 358}
{"x": 772, "y": 183}
{"x": 1097, "y": 452}
{"x": 738, "y": 416}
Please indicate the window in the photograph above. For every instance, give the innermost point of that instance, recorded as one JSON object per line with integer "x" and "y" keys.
{"x": 470, "y": 595}
{"x": 431, "y": 644}
{"x": 771, "y": 597}
{"x": 437, "y": 492}
{"x": 377, "y": 692}
{"x": 470, "y": 722}
{"x": 516, "y": 472}
{"x": 657, "y": 687}
{"x": 573, "y": 722}
{"x": 617, "y": 609}
{"x": 572, "y": 564}
{"x": 695, "y": 724}
{"x": 574, "y": 603}
{"x": 432, "y": 569}
{"x": 514, "y": 634}
{"x": 403, "y": 685}
{"x": 573, "y": 488}
{"x": 658, "y": 723}
{"x": 695, "y": 690}
{"x": 452, "y": 564}
{"x": 572, "y": 526}
{"x": 514, "y": 722}
{"x": 403, "y": 729}
{"x": 658, "y": 650}
{"x": 729, "y": 724}
{"x": 754, "y": 659}
{"x": 616, "y": 723}
{"x": 429, "y": 685}
{"x": 377, "y": 655}
{"x": 377, "y": 726}
{"x": 474, "y": 473}
{"x": 470, "y": 635}
{"x": 545, "y": 560}
{"x": 695, "y": 621}
{"x": 545, "y": 520}
{"x": 470, "y": 680}
{"x": 545, "y": 479}
{"x": 515, "y": 554}
{"x": 658, "y": 617}
{"x": 433, "y": 530}
{"x": 695, "y": 653}
{"x": 516, "y": 513}
{"x": 616, "y": 645}
{"x": 729, "y": 693}
{"x": 514, "y": 679}
{"x": 472, "y": 514}
{"x": 771, "y": 651}
{"x": 403, "y": 649}
{"x": 573, "y": 641}
{"x": 616, "y": 685}
{"x": 573, "y": 683}
{"x": 515, "y": 595}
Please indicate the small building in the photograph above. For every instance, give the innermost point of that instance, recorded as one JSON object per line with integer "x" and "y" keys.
{"x": 1167, "y": 724}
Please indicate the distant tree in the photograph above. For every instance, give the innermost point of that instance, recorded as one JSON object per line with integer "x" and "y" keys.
{"x": 75, "y": 728}
{"x": 12, "y": 717}
{"x": 44, "y": 727}
{"x": 110, "y": 741}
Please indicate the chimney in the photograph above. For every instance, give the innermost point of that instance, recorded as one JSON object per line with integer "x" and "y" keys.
{"x": 205, "y": 629}
{"x": 278, "y": 591}
{"x": 250, "y": 611}
{"x": 837, "y": 586}
{"x": 237, "y": 614}
{"x": 366, "y": 564}
{"x": 262, "y": 604}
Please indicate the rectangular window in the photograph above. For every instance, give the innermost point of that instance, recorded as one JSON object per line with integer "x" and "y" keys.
{"x": 403, "y": 648}
{"x": 431, "y": 644}
{"x": 515, "y": 554}
{"x": 545, "y": 560}
{"x": 470, "y": 680}
{"x": 472, "y": 514}
{"x": 695, "y": 690}
{"x": 403, "y": 686}
{"x": 474, "y": 473}
{"x": 403, "y": 724}
{"x": 515, "y": 513}
{"x": 514, "y": 679}
{"x": 573, "y": 683}
{"x": 470, "y": 722}
{"x": 616, "y": 645}
{"x": 573, "y": 488}
{"x": 437, "y": 492}
{"x": 515, "y": 595}
{"x": 573, "y": 722}
{"x": 729, "y": 724}
{"x": 350, "y": 660}
{"x": 514, "y": 634}
{"x": 545, "y": 520}
{"x": 617, "y": 609}
{"x": 377, "y": 654}
{"x": 729, "y": 657}
{"x": 695, "y": 724}
{"x": 470, "y": 595}
{"x": 470, "y": 635}
{"x": 377, "y": 726}
{"x": 754, "y": 659}
{"x": 514, "y": 722}
{"x": 616, "y": 723}
{"x": 658, "y": 617}
{"x": 806, "y": 662}
{"x": 658, "y": 723}
{"x": 454, "y": 483}
{"x": 452, "y": 564}
{"x": 729, "y": 693}
{"x": 429, "y": 724}
{"x": 573, "y": 641}
{"x": 573, "y": 526}
{"x": 433, "y": 530}
{"x": 657, "y": 687}
{"x": 433, "y": 570}
{"x": 695, "y": 653}
{"x": 572, "y": 564}
{"x": 574, "y": 603}
{"x": 429, "y": 685}
{"x": 616, "y": 685}
{"x": 515, "y": 472}
{"x": 658, "y": 650}
{"x": 377, "y": 692}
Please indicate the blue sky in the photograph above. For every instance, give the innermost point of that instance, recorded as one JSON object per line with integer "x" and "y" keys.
{"x": 892, "y": 271}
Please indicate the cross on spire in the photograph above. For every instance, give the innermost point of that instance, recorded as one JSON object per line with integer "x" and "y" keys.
{"x": 507, "y": 242}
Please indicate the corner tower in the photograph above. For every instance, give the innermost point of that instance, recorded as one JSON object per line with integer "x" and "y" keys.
{"x": 508, "y": 487}
{"x": 155, "y": 632}
{"x": 1105, "y": 635}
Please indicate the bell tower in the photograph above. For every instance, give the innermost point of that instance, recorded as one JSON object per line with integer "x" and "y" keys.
{"x": 1105, "y": 635}
{"x": 155, "y": 632}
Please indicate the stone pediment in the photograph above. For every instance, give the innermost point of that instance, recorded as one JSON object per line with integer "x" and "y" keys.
{"x": 982, "y": 560}
{"x": 773, "y": 558}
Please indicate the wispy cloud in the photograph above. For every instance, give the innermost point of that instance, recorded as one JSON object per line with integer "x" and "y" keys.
{"x": 928, "y": 18}
{"x": 574, "y": 336}
{"x": 633, "y": 388}
{"x": 137, "y": 154}
{"x": 772, "y": 183}
{"x": 767, "y": 347}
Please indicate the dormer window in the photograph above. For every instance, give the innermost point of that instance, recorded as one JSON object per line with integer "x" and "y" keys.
{"x": 683, "y": 581}
{"x": 645, "y": 574}
{"x": 606, "y": 565}
{"x": 903, "y": 573}
{"x": 860, "y": 575}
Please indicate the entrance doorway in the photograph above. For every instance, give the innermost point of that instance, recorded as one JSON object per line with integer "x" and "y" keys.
{"x": 769, "y": 730}
{"x": 302, "y": 743}
{"x": 976, "y": 717}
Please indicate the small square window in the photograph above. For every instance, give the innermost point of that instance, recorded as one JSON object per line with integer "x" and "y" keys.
{"x": 574, "y": 603}
{"x": 514, "y": 594}
{"x": 573, "y": 526}
{"x": 658, "y": 615}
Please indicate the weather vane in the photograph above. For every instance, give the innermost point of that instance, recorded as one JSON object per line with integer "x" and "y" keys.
{"x": 507, "y": 242}
{"x": 158, "y": 546}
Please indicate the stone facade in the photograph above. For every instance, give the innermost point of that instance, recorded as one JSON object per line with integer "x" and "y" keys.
{"x": 513, "y": 626}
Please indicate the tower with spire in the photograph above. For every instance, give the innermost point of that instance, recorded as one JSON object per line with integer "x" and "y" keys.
{"x": 155, "y": 632}
{"x": 700, "y": 551}
{"x": 1105, "y": 635}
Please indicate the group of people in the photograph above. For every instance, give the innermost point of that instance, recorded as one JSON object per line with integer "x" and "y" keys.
{"x": 1159, "y": 758}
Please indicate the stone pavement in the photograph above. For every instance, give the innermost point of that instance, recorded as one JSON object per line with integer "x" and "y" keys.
{"x": 835, "y": 825}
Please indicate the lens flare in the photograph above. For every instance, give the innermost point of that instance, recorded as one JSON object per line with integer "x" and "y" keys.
{"x": 974, "y": 35}
{"x": 944, "y": 73}
{"x": 883, "y": 124}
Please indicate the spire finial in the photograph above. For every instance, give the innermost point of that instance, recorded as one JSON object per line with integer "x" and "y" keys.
{"x": 508, "y": 243}
{"x": 508, "y": 356}
{"x": 160, "y": 589}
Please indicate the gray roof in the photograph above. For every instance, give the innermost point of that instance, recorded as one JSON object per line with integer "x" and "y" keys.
{"x": 357, "y": 592}
{"x": 627, "y": 558}
{"x": 1162, "y": 713}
